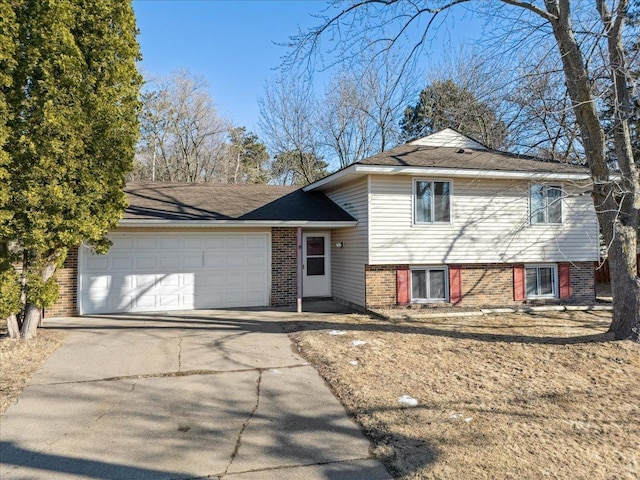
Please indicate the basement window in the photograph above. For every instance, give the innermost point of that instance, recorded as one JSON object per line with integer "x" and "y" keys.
{"x": 429, "y": 284}
{"x": 541, "y": 281}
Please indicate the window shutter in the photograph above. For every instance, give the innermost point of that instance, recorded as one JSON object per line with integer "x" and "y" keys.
{"x": 519, "y": 293}
{"x": 564, "y": 274}
{"x": 455, "y": 284}
{"x": 402, "y": 287}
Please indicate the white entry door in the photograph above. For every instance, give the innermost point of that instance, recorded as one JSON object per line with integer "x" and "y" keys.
{"x": 316, "y": 264}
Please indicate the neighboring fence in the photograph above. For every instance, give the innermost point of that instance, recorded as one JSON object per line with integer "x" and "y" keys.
{"x": 603, "y": 275}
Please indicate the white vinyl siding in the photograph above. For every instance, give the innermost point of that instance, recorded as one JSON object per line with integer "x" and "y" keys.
{"x": 448, "y": 138}
{"x": 347, "y": 263}
{"x": 489, "y": 224}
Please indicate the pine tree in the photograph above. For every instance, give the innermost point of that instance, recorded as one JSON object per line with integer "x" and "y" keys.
{"x": 444, "y": 104}
{"x": 72, "y": 104}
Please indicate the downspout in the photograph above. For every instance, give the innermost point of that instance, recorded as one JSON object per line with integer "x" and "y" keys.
{"x": 299, "y": 269}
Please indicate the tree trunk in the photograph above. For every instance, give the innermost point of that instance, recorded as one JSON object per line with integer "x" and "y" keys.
{"x": 625, "y": 285}
{"x": 32, "y": 315}
{"x": 13, "y": 327}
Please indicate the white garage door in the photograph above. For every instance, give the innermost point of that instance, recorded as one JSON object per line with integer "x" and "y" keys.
{"x": 160, "y": 272}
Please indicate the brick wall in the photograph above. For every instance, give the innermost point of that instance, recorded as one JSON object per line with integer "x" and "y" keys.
{"x": 487, "y": 284}
{"x": 583, "y": 282}
{"x": 481, "y": 285}
{"x": 284, "y": 264}
{"x": 67, "y": 276}
{"x": 380, "y": 285}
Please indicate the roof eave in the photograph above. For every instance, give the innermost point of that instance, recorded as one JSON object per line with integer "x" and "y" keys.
{"x": 147, "y": 223}
{"x": 358, "y": 170}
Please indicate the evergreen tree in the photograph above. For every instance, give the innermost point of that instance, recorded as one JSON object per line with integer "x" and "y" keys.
{"x": 444, "y": 104}
{"x": 251, "y": 157}
{"x": 72, "y": 104}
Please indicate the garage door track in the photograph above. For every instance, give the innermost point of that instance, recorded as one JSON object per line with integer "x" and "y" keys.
{"x": 218, "y": 394}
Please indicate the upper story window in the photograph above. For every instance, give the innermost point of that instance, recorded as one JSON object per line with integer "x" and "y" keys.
{"x": 546, "y": 204}
{"x": 432, "y": 202}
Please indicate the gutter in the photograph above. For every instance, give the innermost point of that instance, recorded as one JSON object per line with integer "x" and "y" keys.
{"x": 131, "y": 222}
{"x": 444, "y": 172}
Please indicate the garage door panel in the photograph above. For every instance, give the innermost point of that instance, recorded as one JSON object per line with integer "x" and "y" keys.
{"x": 170, "y": 262}
{"x": 214, "y": 243}
{"x": 235, "y": 261}
{"x": 192, "y": 243}
{"x": 213, "y": 260}
{"x": 146, "y": 263}
{"x": 192, "y": 261}
{"x": 169, "y": 243}
{"x": 122, "y": 243}
{"x": 143, "y": 272}
{"x": 256, "y": 261}
{"x": 146, "y": 243}
{"x": 121, "y": 263}
{"x": 97, "y": 263}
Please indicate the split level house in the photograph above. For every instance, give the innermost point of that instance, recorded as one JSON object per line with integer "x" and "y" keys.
{"x": 439, "y": 221}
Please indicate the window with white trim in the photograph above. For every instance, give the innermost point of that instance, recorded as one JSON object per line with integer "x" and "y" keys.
{"x": 546, "y": 204}
{"x": 541, "y": 281}
{"x": 431, "y": 202}
{"x": 429, "y": 284}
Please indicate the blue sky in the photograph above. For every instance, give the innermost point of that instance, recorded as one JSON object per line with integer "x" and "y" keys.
{"x": 230, "y": 43}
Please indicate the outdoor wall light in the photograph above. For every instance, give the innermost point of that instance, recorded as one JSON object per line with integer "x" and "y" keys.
{"x": 339, "y": 244}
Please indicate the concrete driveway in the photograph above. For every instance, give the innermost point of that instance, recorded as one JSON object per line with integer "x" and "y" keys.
{"x": 217, "y": 394}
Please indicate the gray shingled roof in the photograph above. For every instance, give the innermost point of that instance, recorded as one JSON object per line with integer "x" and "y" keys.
{"x": 197, "y": 201}
{"x": 456, "y": 158}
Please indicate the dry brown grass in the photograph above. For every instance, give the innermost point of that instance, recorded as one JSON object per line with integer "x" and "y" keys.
{"x": 20, "y": 359}
{"x": 505, "y": 396}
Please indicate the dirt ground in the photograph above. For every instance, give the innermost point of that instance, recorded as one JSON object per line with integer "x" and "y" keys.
{"x": 20, "y": 359}
{"x": 522, "y": 396}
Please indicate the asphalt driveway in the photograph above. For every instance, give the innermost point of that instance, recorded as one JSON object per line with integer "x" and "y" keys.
{"x": 218, "y": 394}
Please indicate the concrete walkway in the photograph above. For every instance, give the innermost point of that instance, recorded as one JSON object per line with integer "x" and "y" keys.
{"x": 218, "y": 394}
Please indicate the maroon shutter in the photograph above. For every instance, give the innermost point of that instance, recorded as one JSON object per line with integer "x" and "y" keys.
{"x": 455, "y": 284}
{"x": 519, "y": 293}
{"x": 402, "y": 287}
{"x": 564, "y": 274}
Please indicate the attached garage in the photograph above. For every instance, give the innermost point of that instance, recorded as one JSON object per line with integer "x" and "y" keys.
{"x": 149, "y": 272}
{"x": 198, "y": 246}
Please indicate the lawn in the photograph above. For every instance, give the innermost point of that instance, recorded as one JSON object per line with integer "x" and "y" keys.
{"x": 20, "y": 359}
{"x": 523, "y": 396}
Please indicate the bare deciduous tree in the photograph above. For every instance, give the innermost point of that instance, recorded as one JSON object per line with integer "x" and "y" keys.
{"x": 288, "y": 120}
{"x": 183, "y": 137}
{"x": 591, "y": 48}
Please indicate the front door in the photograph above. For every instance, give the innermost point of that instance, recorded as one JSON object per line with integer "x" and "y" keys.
{"x": 316, "y": 281}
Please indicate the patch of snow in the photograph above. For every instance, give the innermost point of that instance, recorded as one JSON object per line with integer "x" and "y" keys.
{"x": 408, "y": 400}
{"x": 353, "y": 362}
{"x": 468, "y": 419}
{"x": 358, "y": 343}
{"x": 337, "y": 332}
{"x": 455, "y": 416}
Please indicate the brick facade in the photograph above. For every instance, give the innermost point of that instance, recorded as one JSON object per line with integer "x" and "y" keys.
{"x": 583, "y": 282}
{"x": 284, "y": 264}
{"x": 481, "y": 285}
{"x": 67, "y": 276}
{"x": 380, "y": 285}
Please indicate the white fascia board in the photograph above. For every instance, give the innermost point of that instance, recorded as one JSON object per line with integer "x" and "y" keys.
{"x": 129, "y": 222}
{"x": 334, "y": 179}
{"x": 463, "y": 172}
